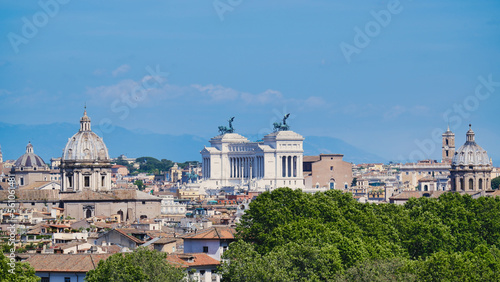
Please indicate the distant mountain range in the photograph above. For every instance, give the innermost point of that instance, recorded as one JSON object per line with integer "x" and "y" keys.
{"x": 49, "y": 140}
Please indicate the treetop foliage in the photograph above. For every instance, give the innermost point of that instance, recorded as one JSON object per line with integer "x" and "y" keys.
{"x": 140, "y": 265}
{"x": 153, "y": 165}
{"x": 297, "y": 235}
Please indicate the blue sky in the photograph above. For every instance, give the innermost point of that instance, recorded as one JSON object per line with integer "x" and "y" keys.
{"x": 256, "y": 60}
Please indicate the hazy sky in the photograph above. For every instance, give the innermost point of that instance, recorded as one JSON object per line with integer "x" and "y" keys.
{"x": 381, "y": 75}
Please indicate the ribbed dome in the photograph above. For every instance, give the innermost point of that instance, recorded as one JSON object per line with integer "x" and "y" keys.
{"x": 85, "y": 145}
{"x": 471, "y": 153}
{"x": 29, "y": 159}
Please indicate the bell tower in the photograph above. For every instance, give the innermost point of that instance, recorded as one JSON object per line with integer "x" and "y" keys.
{"x": 448, "y": 145}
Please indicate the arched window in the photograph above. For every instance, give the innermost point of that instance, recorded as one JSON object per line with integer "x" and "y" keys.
{"x": 120, "y": 213}
{"x": 480, "y": 184}
{"x": 426, "y": 188}
{"x": 471, "y": 184}
{"x": 88, "y": 213}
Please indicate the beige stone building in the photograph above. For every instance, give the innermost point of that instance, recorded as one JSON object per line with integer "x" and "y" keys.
{"x": 471, "y": 167}
{"x": 412, "y": 173}
{"x": 328, "y": 171}
{"x": 30, "y": 168}
{"x": 85, "y": 185}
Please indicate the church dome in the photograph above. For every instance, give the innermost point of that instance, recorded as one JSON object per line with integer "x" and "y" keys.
{"x": 471, "y": 153}
{"x": 85, "y": 145}
{"x": 29, "y": 159}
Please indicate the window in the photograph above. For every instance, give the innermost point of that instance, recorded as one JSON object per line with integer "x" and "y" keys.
{"x": 45, "y": 279}
{"x": 102, "y": 180}
{"x": 205, "y": 249}
{"x": 86, "y": 181}
{"x": 67, "y": 279}
{"x": 331, "y": 168}
{"x": 21, "y": 181}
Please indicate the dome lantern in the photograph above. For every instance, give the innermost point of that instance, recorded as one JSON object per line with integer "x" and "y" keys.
{"x": 85, "y": 122}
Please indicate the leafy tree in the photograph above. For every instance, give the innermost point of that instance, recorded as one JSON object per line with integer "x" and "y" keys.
{"x": 291, "y": 262}
{"x": 294, "y": 234}
{"x": 23, "y": 271}
{"x": 140, "y": 185}
{"x": 394, "y": 269}
{"x": 141, "y": 265}
{"x": 481, "y": 264}
{"x": 354, "y": 182}
{"x": 495, "y": 183}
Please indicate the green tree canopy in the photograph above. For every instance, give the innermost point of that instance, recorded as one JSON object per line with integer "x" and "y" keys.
{"x": 140, "y": 185}
{"x": 332, "y": 233}
{"x": 495, "y": 183}
{"x": 23, "y": 271}
{"x": 140, "y": 265}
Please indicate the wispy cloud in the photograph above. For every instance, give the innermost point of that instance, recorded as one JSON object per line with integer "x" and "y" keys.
{"x": 217, "y": 93}
{"x": 120, "y": 70}
{"x": 4, "y": 92}
{"x": 398, "y": 110}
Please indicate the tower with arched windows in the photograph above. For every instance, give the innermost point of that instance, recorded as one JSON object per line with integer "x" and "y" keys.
{"x": 471, "y": 167}
{"x": 448, "y": 146}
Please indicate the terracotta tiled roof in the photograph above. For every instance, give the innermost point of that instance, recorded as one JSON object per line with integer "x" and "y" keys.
{"x": 59, "y": 226}
{"x": 4, "y": 185}
{"x": 116, "y": 194}
{"x": 124, "y": 233}
{"x": 495, "y": 194}
{"x": 65, "y": 263}
{"x": 32, "y": 195}
{"x": 112, "y": 249}
{"x": 214, "y": 233}
{"x": 308, "y": 159}
{"x": 34, "y": 185}
{"x": 165, "y": 241}
{"x": 192, "y": 260}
